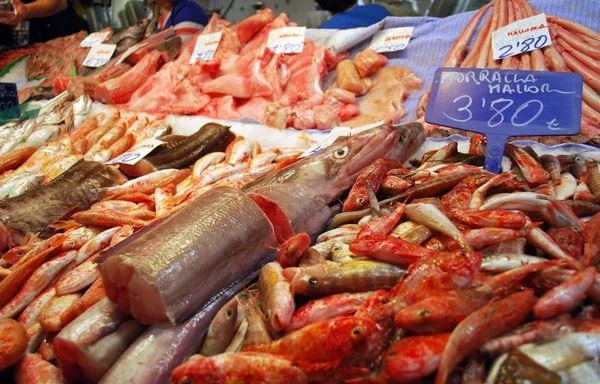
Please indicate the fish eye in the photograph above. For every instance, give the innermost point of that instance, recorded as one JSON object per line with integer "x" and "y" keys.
{"x": 229, "y": 313}
{"x": 422, "y": 312}
{"x": 20, "y": 252}
{"x": 356, "y": 331}
{"x": 463, "y": 253}
{"x": 360, "y": 200}
{"x": 313, "y": 281}
{"x": 341, "y": 153}
{"x": 578, "y": 159}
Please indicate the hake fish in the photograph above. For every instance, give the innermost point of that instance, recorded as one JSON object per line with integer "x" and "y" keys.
{"x": 216, "y": 240}
{"x": 37, "y": 209}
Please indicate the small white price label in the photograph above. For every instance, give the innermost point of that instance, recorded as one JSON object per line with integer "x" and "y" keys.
{"x": 391, "y": 40}
{"x": 206, "y": 47}
{"x": 521, "y": 36}
{"x": 99, "y": 55}
{"x": 287, "y": 40}
{"x": 94, "y": 38}
{"x": 138, "y": 153}
{"x": 129, "y": 51}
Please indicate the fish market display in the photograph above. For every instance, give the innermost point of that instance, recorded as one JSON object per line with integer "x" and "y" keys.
{"x": 47, "y": 277}
{"x": 88, "y": 80}
{"x": 225, "y": 256}
{"x": 457, "y": 274}
{"x": 246, "y": 79}
{"x": 574, "y": 48}
{"x": 57, "y": 60}
{"x": 139, "y": 277}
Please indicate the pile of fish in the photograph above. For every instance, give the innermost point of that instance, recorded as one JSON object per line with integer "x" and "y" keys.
{"x": 574, "y": 48}
{"x": 61, "y": 299}
{"x": 59, "y": 59}
{"x": 246, "y": 79}
{"x": 459, "y": 275}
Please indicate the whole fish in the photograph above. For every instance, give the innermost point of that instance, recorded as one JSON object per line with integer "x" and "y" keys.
{"x": 162, "y": 347}
{"x": 87, "y": 347}
{"x": 210, "y": 138}
{"x": 34, "y": 211}
{"x": 156, "y": 258}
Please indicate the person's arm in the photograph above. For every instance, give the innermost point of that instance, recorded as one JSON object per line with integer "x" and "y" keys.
{"x": 37, "y": 9}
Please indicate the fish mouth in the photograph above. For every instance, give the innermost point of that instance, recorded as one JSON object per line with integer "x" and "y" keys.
{"x": 375, "y": 148}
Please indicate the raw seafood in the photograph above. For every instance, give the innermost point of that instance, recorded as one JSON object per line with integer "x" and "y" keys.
{"x": 72, "y": 189}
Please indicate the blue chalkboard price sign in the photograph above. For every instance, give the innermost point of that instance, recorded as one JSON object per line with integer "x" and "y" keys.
{"x": 9, "y": 98}
{"x": 504, "y": 103}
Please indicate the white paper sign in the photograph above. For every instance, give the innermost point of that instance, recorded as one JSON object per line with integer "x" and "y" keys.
{"x": 99, "y": 55}
{"x": 287, "y": 40}
{"x": 138, "y": 153}
{"x": 206, "y": 46}
{"x": 391, "y": 40}
{"x": 521, "y": 36}
{"x": 129, "y": 51}
{"x": 94, "y": 38}
{"x": 338, "y": 132}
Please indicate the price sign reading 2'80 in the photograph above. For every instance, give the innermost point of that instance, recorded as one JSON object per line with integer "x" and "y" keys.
{"x": 505, "y": 103}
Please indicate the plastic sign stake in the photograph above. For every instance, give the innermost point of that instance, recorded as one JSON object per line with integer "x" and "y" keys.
{"x": 391, "y": 40}
{"x": 99, "y": 55}
{"x": 521, "y": 36}
{"x": 286, "y": 40}
{"x": 505, "y": 103}
{"x": 206, "y": 47}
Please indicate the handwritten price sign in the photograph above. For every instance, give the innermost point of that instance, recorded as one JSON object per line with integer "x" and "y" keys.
{"x": 287, "y": 40}
{"x": 94, "y": 38}
{"x": 391, "y": 40}
{"x": 521, "y": 36}
{"x": 501, "y": 104}
{"x": 99, "y": 55}
{"x": 138, "y": 153}
{"x": 9, "y": 97}
{"x": 206, "y": 47}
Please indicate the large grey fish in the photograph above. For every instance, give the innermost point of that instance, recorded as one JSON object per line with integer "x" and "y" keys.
{"x": 159, "y": 350}
{"x": 172, "y": 269}
{"x": 183, "y": 151}
{"x": 35, "y": 210}
{"x": 88, "y": 346}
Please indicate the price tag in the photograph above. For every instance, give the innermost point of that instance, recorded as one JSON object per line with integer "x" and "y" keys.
{"x": 334, "y": 134}
{"x": 94, "y": 38}
{"x": 129, "y": 51}
{"x": 9, "y": 97}
{"x": 391, "y": 40}
{"x": 138, "y": 153}
{"x": 206, "y": 46}
{"x": 99, "y": 55}
{"x": 521, "y": 36}
{"x": 501, "y": 104}
{"x": 287, "y": 40}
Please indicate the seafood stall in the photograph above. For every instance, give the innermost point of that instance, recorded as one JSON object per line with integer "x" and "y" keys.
{"x": 246, "y": 215}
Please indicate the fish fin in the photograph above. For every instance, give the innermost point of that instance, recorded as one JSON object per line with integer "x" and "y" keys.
{"x": 373, "y": 203}
{"x": 270, "y": 246}
{"x": 65, "y": 225}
